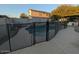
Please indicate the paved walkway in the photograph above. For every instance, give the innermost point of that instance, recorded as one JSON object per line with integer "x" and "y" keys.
{"x": 65, "y": 42}
{"x": 23, "y": 37}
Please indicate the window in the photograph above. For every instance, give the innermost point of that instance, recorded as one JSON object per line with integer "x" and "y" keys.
{"x": 47, "y": 14}
{"x": 40, "y": 14}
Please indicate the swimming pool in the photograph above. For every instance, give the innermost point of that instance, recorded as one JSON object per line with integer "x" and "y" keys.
{"x": 41, "y": 28}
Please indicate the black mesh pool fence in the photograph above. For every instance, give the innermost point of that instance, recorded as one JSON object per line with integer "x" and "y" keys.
{"x": 14, "y": 36}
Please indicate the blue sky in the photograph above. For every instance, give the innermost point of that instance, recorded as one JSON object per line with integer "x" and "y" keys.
{"x": 14, "y": 10}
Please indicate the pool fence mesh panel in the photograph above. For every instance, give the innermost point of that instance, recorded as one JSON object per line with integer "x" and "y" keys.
{"x": 15, "y": 35}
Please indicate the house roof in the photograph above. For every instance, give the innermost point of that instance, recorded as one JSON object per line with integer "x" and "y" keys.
{"x": 39, "y": 11}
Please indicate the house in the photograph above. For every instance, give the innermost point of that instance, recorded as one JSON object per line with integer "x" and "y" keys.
{"x": 38, "y": 14}
{"x": 62, "y": 19}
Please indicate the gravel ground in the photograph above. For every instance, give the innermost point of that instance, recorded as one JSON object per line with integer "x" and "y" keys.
{"x": 65, "y": 42}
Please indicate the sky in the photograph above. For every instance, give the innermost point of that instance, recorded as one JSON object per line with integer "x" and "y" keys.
{"x": 14, "y": 10}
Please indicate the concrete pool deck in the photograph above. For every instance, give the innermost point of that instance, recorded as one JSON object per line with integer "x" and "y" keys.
{"x": 65, "y": 42}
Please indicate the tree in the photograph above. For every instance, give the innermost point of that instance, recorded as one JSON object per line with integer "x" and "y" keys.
{"x": 23, "y": 15}
{"x": 55, "y": 17}
{"x": 65, "y": 10}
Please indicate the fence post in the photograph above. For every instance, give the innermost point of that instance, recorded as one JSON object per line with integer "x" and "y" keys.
{"x": 7, "y": 26}
{"x": 34, "y": 40}
{"x": 47, "y": 31}
{"x": 55, "y": 28}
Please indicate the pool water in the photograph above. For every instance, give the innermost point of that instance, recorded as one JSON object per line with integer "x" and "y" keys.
{"x": 40, "y": 30}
